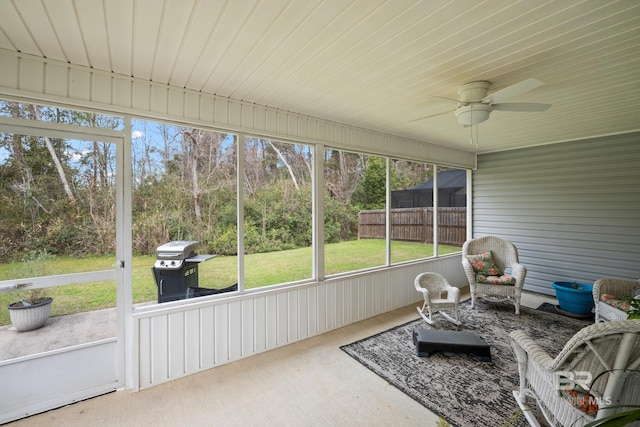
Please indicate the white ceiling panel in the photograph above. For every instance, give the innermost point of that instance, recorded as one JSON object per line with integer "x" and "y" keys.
{"x": 15, "y": 30}
{"x": 119, "y": 15}
{"x": 202, "y": 25}
{"x": 93, "y": 30}
{"x": 37, "y": 17}
{"x": 148, "y": 23}
{"x": 376, "y": 64}
{"x": 62, "y": 15}
{"x": 230, "y": 25}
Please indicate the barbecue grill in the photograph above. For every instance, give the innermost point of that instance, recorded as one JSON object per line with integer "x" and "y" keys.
{"x": 176, "y": 270}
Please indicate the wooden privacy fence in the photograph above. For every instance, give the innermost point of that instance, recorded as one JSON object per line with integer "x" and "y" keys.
{"x": 415, "y": 225}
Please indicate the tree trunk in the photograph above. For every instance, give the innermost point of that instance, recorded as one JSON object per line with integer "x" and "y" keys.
{"x": 293, "y": 176}
{"x": 56, "y": 161}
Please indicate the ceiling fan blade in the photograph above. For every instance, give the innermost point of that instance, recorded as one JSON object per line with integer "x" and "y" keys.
{"x": 511, "y": 91}
{"x": 442, "y": 98}
{"x": 430, "y": 116}
{"x": 524, "y": 107}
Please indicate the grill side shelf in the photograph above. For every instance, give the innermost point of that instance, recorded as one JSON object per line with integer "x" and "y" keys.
{"x": 199, "y": 258}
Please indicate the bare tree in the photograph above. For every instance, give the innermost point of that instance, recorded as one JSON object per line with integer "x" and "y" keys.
{"x": 56, "y": 161}
{"x": 190, "y": 141}
{"x": 286, "y": 164}
{"x": 343, "y": 175}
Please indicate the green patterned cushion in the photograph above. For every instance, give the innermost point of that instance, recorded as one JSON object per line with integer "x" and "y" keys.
{"x": 496, "y": 280}
{"x": 483, "y": 264}
{"x": 616, "y": 302}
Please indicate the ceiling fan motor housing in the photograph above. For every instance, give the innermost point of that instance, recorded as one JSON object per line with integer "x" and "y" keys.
{"x": 473, "y": 92}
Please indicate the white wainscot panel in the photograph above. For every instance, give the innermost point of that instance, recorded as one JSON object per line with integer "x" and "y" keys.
{"x": 75, "y": 377}
{"x": 221, "y": 339}
{"x": 236, "y": 331}
{"x": 259, "y": 323}
{"x": 248, "y": 328}
{"x": 302, "y": 314}
{"x": 207, "y": 336}
{"x": 192, "y": 334}
{"x": 176, "y": 342}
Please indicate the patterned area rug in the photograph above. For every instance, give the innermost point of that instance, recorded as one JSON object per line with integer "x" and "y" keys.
{"x": 455, "y": 386}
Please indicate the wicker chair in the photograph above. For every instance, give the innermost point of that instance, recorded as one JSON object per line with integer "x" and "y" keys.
{"x": 603, "y": 359}
{"x": 505, "y": 255}
{"x": 621, "y": 288}
{"x": 432, "y": 286}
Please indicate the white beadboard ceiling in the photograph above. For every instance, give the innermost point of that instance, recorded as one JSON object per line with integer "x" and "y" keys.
{"x": 369, "y": 63}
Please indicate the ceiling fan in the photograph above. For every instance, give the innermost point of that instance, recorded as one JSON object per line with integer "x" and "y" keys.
{"x": 475, "y": 105}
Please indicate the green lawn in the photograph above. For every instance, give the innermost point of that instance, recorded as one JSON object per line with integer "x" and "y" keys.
{"x": 260, "y": 270}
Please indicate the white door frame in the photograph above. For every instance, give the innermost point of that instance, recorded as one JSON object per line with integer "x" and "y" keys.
{"x": 43, "y": 381}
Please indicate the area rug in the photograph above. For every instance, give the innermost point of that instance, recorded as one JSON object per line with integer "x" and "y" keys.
{"x": 455, "y": 386}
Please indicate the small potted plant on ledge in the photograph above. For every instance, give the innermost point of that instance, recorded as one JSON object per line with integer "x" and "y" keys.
{"x": 32, "y": 310}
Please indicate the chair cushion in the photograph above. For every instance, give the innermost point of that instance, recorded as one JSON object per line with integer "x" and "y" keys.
{"x": 581, "y": 399}
{"x": 483, "y": 264}
{"x": 617, "y": 302}
{"x": 496, "y": 280}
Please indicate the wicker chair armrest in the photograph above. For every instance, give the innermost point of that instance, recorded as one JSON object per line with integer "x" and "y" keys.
{"x": 425, "y": 293}
{"x": 519, "y": 271}
{"x": 614, "y": 286}
{"x": 468, "y": 270}
{"x": 453, "y": 294}
{"x": 533, "y": 351}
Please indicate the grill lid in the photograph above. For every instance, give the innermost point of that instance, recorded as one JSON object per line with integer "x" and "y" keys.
{"x": 173, "y": 255}
{"x": 177, "y": 250}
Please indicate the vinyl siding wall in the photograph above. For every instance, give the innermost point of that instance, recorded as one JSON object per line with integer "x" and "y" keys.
{"x": 572, "y": 209}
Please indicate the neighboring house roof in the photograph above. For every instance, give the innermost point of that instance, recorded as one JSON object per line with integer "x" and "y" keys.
{"x": 454, "y": 178}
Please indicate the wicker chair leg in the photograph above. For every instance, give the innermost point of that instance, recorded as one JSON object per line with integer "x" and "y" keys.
{"x": 426, "y": 319}
{"x": 526, "y": 410}
{"x": 451, "y": 319}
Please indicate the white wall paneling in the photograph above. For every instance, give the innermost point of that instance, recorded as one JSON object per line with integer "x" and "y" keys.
{"x": 183, "y": 340}
{"x": 61, "y": 376}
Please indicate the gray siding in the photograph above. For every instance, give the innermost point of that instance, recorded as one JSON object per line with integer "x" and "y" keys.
{"x": 572, "y": 209}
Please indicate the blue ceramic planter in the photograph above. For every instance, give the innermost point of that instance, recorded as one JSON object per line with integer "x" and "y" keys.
{"x": 574, "y": 300}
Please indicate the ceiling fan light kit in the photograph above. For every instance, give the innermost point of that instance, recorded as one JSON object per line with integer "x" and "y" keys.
{"x": 473, "y": 114}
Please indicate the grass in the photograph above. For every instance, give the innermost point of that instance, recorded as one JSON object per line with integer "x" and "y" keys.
{"x": 260, "y": 270}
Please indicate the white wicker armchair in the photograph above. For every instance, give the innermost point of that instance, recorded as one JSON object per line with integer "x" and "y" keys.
{"x": 433, "y": 286}
{"x": 621, "y": 288}
{"x": 603, "y": 359}
{"x": 505, "y": 255}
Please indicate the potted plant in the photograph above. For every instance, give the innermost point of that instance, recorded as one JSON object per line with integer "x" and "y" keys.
{"x": 574, "y": 297}
{"x": 634, "y": 308}
{"x": 31, "y": 311}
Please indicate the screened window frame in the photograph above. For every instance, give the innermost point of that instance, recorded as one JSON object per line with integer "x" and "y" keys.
{"x": 318, "y": 148}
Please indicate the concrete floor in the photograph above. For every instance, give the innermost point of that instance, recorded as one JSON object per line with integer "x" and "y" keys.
{"x": 308, "y": 383}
